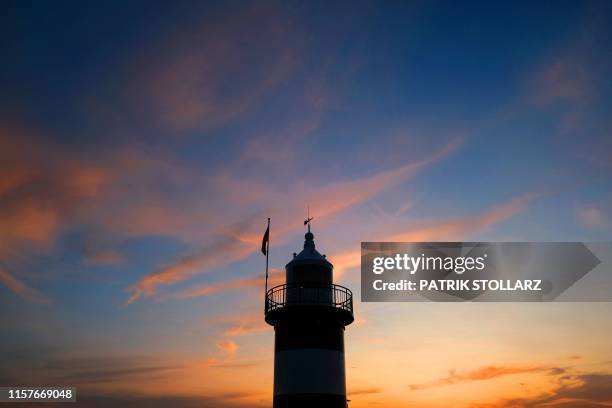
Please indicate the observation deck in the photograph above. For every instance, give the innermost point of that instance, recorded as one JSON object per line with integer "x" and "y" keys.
{"x": 331, "y": 298}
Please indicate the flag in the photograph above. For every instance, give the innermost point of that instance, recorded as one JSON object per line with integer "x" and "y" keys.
{"x": 264, "y": 241}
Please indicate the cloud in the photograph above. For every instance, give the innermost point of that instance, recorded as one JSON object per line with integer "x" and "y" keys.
{"x": 188, "y": 81}
{"x": 590, "y": 390}
{"x": 125, "y": 193}
{"x": 276, "y": 277}
{"x": 592, "y": 217}
{"x": 326, "y": 198}
{"x": 21, "y": 289}
{"x": 100, "y": 256}
{"x": 46, "y": 191}
{"x": 364, "y": 391}
{"x": 93, "y": 369}
{"x": 219, "y": 253}
{"x": 43, "y": 189}
{"x": 228, "y": 346}
{"x": 96, "y": 375}
{"x": 336, "y": 197}
{"x": 239, "y": 365}
{"x": 573, "y": 71}
{"x": 563, "y": 79}
{"x": 220, "y": 400}
{"x": 460, "y": 227}
{"x": 456, "y": 228}
{"x": 479, "y": 374}
{"x": 245, "y": 325}
{"x": 333, "y": 198}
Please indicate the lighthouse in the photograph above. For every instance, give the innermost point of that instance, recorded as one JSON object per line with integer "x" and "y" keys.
{"x": 309, "y": 313}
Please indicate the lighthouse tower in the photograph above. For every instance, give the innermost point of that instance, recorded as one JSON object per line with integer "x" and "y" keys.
{"x": 309, "y": 314}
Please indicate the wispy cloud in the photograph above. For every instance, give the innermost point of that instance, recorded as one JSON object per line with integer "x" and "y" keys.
{"x": 102, "y": 256}
{"x": 460, "y": 227}
{"x": 455, "y": 228}
{"x": 245, "y": 324}
{"x": 366, "y": 390}
{"x": 132, "y": 400}
{"x": 329, "y": 200}
{"x": 228, "y": 346}
{"x": 194, "y": 85}
{"x": 276, "y": 277}
{"x": 593, "y": 217}
{"x": 21, "y": 289}
{"x": 479, "y": 374}
{"x": 590, "y": 390}
{"x": 336, "y": 197}
{"x": 238, "y": 365}
{"x": 96, "y": 376}
{"x": 43, "y": 187}
{"x": 564, "y": 79}
{"x": 220, "y": 253}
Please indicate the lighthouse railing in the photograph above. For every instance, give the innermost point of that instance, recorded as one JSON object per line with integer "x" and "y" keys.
{"x": 325, "y": 295}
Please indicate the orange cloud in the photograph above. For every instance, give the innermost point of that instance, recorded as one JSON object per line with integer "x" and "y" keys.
{"x": 337, "y": 197}
{"x": 581, "y": 390}
{"x": 460, "y": 227}
{"x": 479, "y": 374}
{"x": 247, "y": 324}
{"x": 452, "y": 229}
{"x": 42, "y": 190}
{"x": 28, "y": 221}
{"x": 456, "y": 228}
{"x": 14, "y": 177}
{"x": 219, "y": 253}
{"x": 216, "y": 363}
{"x": 21, "y": 289}
{"x": 276, "y": 277}
{"x": 228, "y": 346}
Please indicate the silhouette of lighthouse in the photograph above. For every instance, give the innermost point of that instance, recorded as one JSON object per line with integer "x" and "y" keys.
{"x": 309, "y": 314}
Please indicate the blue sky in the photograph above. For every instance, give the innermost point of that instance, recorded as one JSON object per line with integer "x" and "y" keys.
{"x": 144, "y": 144}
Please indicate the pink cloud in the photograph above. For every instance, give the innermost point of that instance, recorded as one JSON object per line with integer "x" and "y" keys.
{"x": 593, "y": 217}
{"x": 189, "y": 80}
{"x": 276, "y": 277}
{"x": 243, "y": 240}
{"x": 565, "y": 78}
{"x": 456, "y": 228}
{"x": 218, "y": 254}
{"x": 101, "y": 256}
{"x": 460, "y": 227}
{"x": 21, "y": 289}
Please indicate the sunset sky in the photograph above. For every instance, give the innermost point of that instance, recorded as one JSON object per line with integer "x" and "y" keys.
{"x": 144, "y": 144}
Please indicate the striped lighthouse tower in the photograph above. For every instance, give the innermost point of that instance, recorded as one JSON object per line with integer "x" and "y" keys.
{"x": 309, "y": 314}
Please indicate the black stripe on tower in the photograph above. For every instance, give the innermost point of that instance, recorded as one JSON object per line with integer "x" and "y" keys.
{"x": 309, "y": 333}
{"x": 309, "y": 401}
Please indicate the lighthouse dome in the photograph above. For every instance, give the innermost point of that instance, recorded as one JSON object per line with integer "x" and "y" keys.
{"x": 309, "y": 266}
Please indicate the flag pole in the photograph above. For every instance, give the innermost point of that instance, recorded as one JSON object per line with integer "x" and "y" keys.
{"x": 267, "y": 255}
